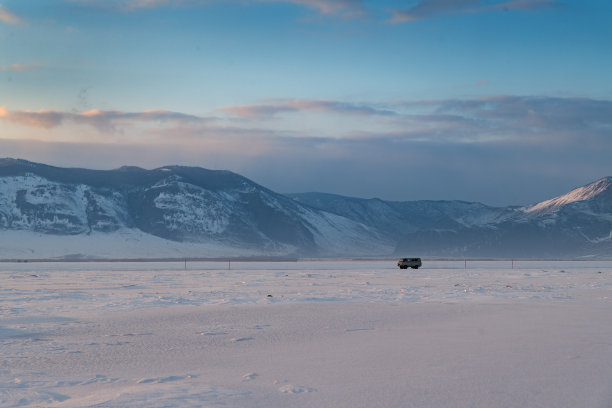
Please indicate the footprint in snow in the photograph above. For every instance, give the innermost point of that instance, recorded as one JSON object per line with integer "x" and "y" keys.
{"x": 358, "y": 330}
{"x": 240, "y": 339}
{"x": 295, "y": 389}
{"x": 212, "y": 333}
{"x": 165, "y": 379}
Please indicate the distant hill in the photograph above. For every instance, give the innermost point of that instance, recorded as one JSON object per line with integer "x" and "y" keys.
{"x": 177, "y": 211}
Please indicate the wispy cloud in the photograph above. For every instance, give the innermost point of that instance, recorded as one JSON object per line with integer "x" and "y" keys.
{"x": 106, "y": 120}
{"x": 342, "y": 8}
{"x": 272, "y": 107}
{"x": 506, "y": 119}
{"x": 434, "y": 8}
{"x": 529, "y": 5}
{"x": 125, "y": 5}
{"x": 103, "y": 120}
{"x": 20, "y": 67}
{"x": 134, "y": 5}
{"x": 496, "y": 119}
{"x": 535, "y": 113}
{"x": 8, "y": 17}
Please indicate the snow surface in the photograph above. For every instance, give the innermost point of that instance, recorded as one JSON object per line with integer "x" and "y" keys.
{"x": 125, "y": 243}
{"x": 306, "y": 334}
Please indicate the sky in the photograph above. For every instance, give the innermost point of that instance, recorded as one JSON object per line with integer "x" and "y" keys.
{"x": 504, "y": 102}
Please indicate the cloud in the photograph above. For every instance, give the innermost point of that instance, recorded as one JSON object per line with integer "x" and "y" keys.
{"x": 105, "y": 121}
{"x": 343, "y": 8}
{"x": 8, "y": 17}
{"x": 301, "y": 105}
{"x": 528, "y": 5}
{"x": 499, "y": 149}
{"x": 41, "y": 119}
{"x": 500, "y": 119}
{"x": 434, "y": 8}
{"x": 534, "y": 113}
{"x": 506, "y": 120}
{"x": 129, "y": 5}
{"x": 20, "y": 67}
{"x": 519, "y": 123}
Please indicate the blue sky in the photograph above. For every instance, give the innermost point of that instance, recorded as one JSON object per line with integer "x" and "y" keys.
{"x": 497, "y": 101}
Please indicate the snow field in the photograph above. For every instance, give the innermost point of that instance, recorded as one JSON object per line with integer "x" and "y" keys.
{"x": 303, "y": 334}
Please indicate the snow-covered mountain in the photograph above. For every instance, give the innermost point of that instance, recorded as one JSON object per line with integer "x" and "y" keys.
{"x": 175, "y": 211}
{"x": 577, "y": 224}
{"x": 597, "y": 191}
{"x": 187, "y": 211}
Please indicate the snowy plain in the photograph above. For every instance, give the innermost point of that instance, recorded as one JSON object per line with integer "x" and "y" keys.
{"x": 306, "y": 334}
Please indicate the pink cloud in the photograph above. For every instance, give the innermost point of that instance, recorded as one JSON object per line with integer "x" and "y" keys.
{"x": 20, "y": 67}
{"x": 8, "y": 17}
{"x": 40, "y": 119}
{"x": 99, "y": 119}
{"x": 433, "y": 8}
{"x": 528, "y": 5}
{"x": 344, "y": 8}
{"x": 127, "y": 5}
{"x": 298, "y": 105}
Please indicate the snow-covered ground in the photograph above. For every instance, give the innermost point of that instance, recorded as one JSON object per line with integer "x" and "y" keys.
{"x": 306, "y": 334}
{"x": 125, "y": 243}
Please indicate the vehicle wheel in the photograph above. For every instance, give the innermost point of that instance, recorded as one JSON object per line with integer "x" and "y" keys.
{"x": 415, "y": 267}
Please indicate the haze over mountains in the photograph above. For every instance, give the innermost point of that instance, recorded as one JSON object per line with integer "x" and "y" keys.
{"x": 175, "y": 211}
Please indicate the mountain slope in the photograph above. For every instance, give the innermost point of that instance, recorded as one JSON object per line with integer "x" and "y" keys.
{"x": 598, "y": 191}
{"x": 578, "y": 224}
{"x": 405, "y": 217}
{"x": 174, "y": 203}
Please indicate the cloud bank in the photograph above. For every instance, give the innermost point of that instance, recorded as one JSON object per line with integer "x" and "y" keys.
{"x": 105, "y": 121}
{"x": 481, "y": 120}
{"x": 498, "y": 149}
{"x": 272, "y": 107}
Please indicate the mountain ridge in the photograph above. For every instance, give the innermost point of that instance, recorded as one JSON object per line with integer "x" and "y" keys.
{"x": 175, "y": 203}
{"x": 196, "y": 212}
{"x": 578, "y": 194}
